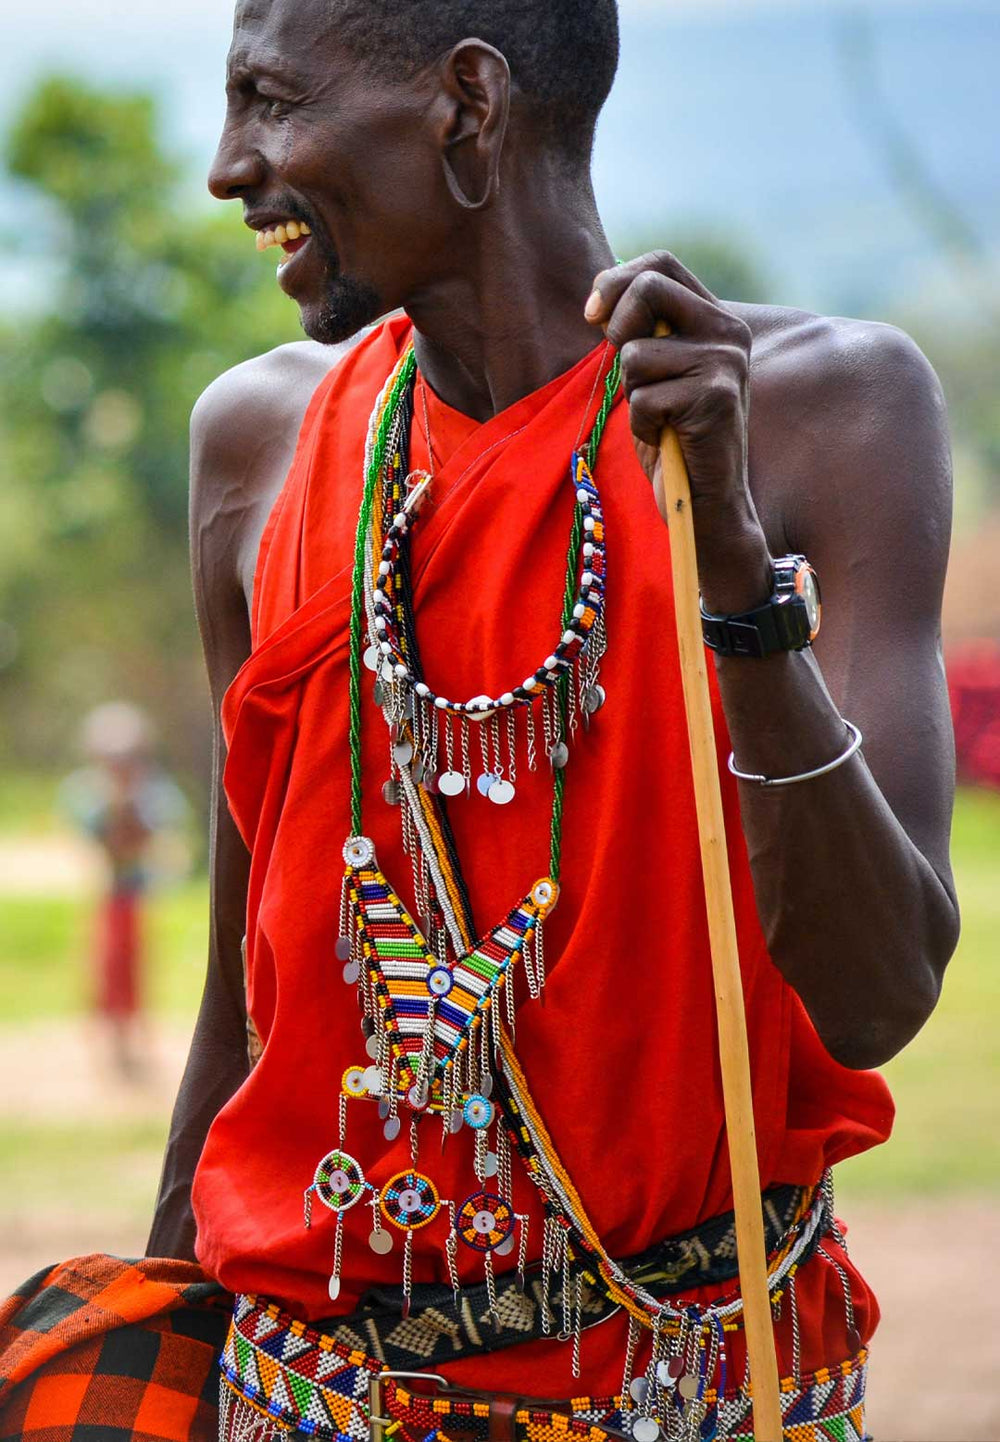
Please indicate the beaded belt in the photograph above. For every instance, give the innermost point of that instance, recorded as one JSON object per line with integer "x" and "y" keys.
{"x": 282, "y": 1378}
{"x": 331, "y": 1384}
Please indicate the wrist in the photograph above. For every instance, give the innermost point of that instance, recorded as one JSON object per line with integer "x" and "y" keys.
{"x": 737, "y": 574}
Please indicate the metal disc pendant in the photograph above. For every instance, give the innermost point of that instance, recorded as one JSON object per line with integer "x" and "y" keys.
{"x": 342, "y": 950}
{"x": 351, "y": 972}
{"x": 486, "y": 1084}
{"x": 373, "y": 1079}
{"x": 456, "y": 1121}
{"x": 638, "y": 1389}
{"x": 484, "y": 782}
{"x": 594, "y": 698}
{"x": 371, "y": 658}
{"x": 380, "y": 1242}
{"x": 383, "y": 1108}
{"x": 664, "y": 1376}
{"x": 451, "y": 783}
{"x": 418, "y": 1097}
{"x": 379, "y": 693}
{"x": 430, "y": 783}
{"x": 418, "y": 771}
{"x": 559, "y": 755}
{"x": 645, "y": 1429}
{"x": 367, "y": 1027}
{"x": 491, "y": 1164}
{"x": 402, "y": 753}
{"x": 688, "y": 1387}
{"x": 390, "y": 793}
{"x": 334, "y": 1288}
{"x": 505, "y": 1248}
{"x": 386, "y": 670}
{"x": 391, "y": 1129}
{"x": 371, "y": 1046}
{"x": 501, "y": 793}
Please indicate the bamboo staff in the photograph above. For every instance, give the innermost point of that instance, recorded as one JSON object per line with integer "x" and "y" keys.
{"x": 733, "y": 1052}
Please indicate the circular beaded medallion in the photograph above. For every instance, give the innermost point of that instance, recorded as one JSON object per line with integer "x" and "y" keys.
{"x": 339, "y": 1181}
{"x": 545, "y": 892}
{"x": 409, "y": 1200}
{"x": 353, "y": 1082}
{"x": 439, "y": 981}
{"x": 485, "y": 1221}
{"x": 478, "y": 1112}
{"x": 359, "y": 851}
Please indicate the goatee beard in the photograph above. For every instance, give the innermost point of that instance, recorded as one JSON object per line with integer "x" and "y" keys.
{"x": 350, "y": 305}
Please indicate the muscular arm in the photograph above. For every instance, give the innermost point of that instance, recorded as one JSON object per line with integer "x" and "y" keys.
{"x": 829, "y": 438}
{"x": 243, "y": 434}
{"x": 851, "y": 871}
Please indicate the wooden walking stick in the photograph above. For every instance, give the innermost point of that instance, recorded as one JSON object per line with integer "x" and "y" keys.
{"x": 733, "y": 1051}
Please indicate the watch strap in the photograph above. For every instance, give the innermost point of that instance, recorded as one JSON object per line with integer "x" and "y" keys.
{"x": 781, "y": 624}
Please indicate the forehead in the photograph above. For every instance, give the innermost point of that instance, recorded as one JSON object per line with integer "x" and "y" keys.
{"x": 294, "y": 34}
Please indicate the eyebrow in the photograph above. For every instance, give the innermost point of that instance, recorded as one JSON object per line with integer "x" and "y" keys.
{"x": 247, "y": 70}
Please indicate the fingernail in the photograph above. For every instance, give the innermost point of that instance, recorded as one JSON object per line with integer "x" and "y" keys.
{"x": 594, "y": 305}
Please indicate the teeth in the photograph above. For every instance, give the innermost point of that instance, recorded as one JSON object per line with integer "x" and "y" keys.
{"x": 291, "y": 230}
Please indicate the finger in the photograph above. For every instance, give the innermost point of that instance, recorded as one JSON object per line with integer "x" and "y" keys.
{"x": 611, "y": 284}
{"x": 652, "y": 297}
{"x": 686, "y": 404}
{"x": 644, "y": 362}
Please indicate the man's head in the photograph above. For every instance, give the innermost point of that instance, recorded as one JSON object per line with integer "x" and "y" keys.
{"x": 387, "y": 126}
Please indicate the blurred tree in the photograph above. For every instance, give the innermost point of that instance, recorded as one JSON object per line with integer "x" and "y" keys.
{"x": 720, "y": 262}
{"x": 152, "y": 299}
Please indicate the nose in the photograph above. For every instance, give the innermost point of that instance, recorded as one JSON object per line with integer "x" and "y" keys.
{"x": 237, "y": 167}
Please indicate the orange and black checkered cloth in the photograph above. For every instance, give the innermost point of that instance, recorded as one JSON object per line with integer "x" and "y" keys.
{"x": 104, "y": 1350}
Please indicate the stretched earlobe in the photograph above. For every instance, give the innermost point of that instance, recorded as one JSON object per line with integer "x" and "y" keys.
{"x": 459, "y": 195}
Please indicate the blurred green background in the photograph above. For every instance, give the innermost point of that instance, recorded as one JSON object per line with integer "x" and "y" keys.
{"x": 837, "y": 157}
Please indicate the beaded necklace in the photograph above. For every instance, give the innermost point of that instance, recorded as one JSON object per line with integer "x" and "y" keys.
{"x": 431, "y": 998}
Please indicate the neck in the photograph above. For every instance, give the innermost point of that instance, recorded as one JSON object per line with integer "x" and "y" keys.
{"x": 508, "y": 316}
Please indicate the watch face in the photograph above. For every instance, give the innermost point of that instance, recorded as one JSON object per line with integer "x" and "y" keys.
{"x": 807, "y": 585}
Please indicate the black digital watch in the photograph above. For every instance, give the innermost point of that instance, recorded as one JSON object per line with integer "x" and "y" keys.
{"x": 789, "y": 621}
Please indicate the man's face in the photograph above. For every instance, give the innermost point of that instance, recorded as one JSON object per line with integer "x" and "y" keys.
{"x": 310, "y": 136}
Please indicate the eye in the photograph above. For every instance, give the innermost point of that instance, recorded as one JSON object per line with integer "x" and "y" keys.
{"x": 273, "y": 108}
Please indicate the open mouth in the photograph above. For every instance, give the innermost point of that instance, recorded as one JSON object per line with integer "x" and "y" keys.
{"x": 290, "y": 236}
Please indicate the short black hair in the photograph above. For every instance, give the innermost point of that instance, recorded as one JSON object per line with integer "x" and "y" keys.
{"x": 563, "y": 54}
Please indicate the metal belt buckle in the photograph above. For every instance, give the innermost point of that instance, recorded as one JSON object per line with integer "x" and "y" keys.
{"x": 379, "y": 1427}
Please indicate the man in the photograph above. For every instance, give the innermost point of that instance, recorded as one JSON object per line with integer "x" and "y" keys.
{"x": 425, "y": 161}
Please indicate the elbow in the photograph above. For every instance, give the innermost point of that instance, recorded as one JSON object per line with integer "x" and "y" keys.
{"x": 875, "y": 1033}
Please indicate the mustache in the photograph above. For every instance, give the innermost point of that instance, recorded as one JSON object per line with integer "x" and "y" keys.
{"x": 287, "y": 205}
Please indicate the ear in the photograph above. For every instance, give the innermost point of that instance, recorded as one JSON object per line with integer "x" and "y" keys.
{"x": 475, "y": 84}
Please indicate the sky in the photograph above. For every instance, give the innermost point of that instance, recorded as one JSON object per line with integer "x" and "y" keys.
{"x": 729, "y": 114}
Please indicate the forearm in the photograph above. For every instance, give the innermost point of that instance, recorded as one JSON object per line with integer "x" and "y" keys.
{"x": 216, "y": 1069}
{"x": 855, "y": 916}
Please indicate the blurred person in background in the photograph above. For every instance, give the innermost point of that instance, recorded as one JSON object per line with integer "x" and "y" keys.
{"x": 130, "y": 807}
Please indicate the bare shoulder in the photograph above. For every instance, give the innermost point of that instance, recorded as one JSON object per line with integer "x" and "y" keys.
{"x": 269, "y": 390}
{"x": 845, "y": 414}
{"x": 244, "y": 429}
{"x": 800, "y": 352}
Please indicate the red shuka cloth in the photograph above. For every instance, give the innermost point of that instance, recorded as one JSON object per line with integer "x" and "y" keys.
{"x": 622, "y": 1058}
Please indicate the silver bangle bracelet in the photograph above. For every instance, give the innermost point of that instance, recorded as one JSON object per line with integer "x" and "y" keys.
{"x": 805, "y": 775}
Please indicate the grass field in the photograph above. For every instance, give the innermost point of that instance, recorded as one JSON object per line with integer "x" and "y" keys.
{"x": 946, "y": 1083}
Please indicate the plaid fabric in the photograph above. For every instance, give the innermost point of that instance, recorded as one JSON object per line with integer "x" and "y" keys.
{"x": 104, "y": 1350}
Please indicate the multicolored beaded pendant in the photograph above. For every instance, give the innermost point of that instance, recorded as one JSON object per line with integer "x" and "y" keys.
{"x": 435, "y": 1000}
